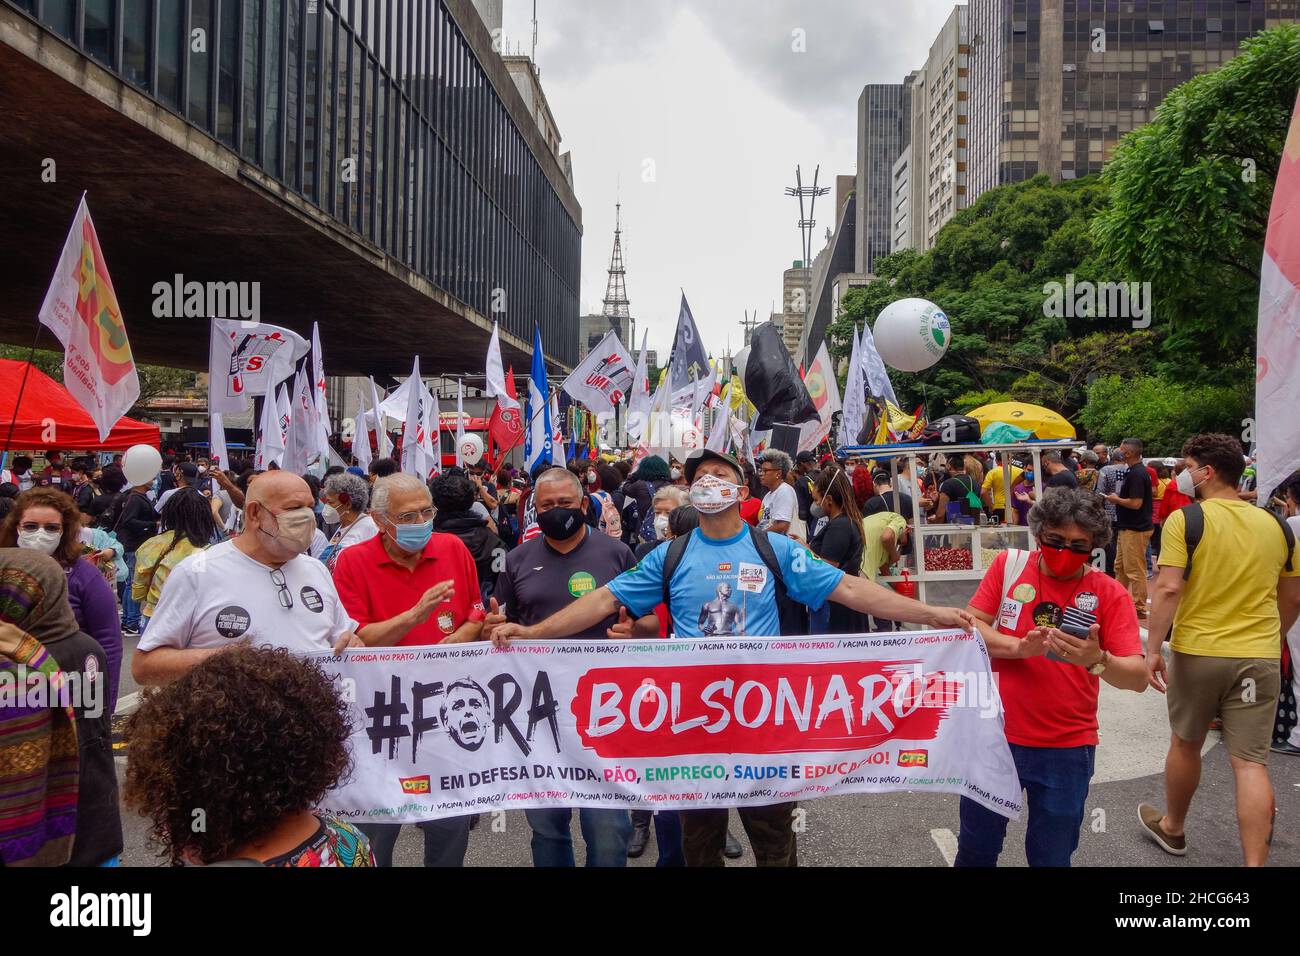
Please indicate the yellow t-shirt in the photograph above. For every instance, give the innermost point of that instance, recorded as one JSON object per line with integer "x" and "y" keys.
{"x": 1229, "y": 604}
{"x": 993, "y": 484}
{"x": 873, "y": 551}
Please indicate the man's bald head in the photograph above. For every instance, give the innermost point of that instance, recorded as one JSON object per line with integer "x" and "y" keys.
{"x": 279, "y": 491}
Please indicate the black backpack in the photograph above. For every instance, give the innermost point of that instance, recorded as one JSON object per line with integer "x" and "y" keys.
{"x": 1194, "y": 530}
{"x": 793, "y": 616}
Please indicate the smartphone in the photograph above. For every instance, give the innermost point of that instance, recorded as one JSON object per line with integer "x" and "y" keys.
{"x": 1074, "y": 630}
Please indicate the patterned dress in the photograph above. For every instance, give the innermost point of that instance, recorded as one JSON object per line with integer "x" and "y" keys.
{"x": 334, "y": 843}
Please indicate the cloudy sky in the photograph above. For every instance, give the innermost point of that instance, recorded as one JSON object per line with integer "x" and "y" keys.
{"x": 694, "y": 113}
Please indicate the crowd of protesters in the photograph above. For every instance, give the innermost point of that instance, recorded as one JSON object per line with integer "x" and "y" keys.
{"x": 380, "y": 558}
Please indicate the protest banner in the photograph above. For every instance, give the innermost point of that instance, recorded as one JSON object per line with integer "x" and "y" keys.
{"x": 444, "y": 731}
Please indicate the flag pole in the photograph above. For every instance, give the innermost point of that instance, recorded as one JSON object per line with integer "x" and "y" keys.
{"x": 31, "y": 355}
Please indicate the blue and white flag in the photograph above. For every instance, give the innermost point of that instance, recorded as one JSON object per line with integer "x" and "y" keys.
{"x": 537, "y": 437}
{"x": 873, "y": 368}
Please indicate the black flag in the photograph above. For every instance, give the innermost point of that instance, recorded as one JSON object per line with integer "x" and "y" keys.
{"x": 772, "y": 381}
{"x": 689, "y": 360}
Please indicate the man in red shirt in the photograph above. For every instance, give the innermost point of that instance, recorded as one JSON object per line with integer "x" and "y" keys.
{"x": 408, "y": 585}
{"x": 1049, "y": 679}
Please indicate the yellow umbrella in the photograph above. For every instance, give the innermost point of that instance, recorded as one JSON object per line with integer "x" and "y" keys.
{"x": 1043, "y": 422}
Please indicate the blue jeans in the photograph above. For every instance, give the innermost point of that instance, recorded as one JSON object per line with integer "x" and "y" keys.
{"x": 1055, "y": 781}
{"x": 607, "y": 833}
{"x": 668, "y": 838}
{"x": 130, "y": 606}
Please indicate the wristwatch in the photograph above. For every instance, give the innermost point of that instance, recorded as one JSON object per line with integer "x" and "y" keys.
{"x": 1097, "y": 669}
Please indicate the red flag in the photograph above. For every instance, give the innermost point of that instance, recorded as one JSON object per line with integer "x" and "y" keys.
{"x": 506, "y": 426}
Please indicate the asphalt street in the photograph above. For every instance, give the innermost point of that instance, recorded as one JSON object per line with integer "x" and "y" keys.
{"x": 912, "y": 829}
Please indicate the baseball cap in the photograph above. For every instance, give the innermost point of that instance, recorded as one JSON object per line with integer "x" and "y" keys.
{"x": 188, "y": 469}
{"x": 805, "y": 456}
{"x": 696, "y": 458}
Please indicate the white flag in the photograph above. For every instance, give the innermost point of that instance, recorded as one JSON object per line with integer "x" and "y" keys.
{"x": 320, "y": 399}
{"x": 246, "y": 359}
{"x": 301, "y": 444}
{"x": 496, "y": 374}
{"x": 855, "y": 405}
{"x": 81, "y": 309}
{"x": 361, "y": 438}
{"x": 604, "y": 377}
{"x": 217, "y": 441}
{"x": 557, "y": 436}
{"x": 639, "y": 399}
{"x": 270, "y": 440}
{"x": 382, "y": 446}
{"x": 417, "y": 444}
{"x": 460, "y": 423}
{"x": 820, "y": 382}
{"x": 873, "y": 368}
{"x": 284, "y": 408}
{"x": 720, "y": 433}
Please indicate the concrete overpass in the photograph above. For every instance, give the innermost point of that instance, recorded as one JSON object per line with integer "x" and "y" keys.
{"x": 168, "y": 197}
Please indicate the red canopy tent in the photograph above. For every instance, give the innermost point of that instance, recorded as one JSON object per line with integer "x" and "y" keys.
{"x": 45, "y": 399}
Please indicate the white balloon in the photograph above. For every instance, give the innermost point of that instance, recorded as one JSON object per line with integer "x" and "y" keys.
{"x": 912, "y": 334}
{"x": 471, "y": 449}
{"x": 141, "y": 465}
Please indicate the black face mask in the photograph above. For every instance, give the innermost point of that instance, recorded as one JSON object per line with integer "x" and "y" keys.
{"x": 560, "y": 524}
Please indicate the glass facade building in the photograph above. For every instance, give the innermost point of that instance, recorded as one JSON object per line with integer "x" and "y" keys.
{"x": 884, "y": 131}
{"x": 380, "y": 114}
{"x": 1054, "y": 84}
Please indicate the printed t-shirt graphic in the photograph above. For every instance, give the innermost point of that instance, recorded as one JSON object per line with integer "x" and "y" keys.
{"x": 697, "y": 587}
{"x": 221, "y": 595}
{"x": 1037, "y": 687}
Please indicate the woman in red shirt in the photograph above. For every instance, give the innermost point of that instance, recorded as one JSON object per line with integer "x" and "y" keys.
{"x": 1026, "y": 607}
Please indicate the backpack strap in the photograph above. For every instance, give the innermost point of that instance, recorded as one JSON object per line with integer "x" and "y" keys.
{"x": 764, "y": 548}
{"x": 671, "y": 561}
{"x": 1194, "y": 530}
{"x": 1017, "y": 561}
{"x": 1288, "y": 534}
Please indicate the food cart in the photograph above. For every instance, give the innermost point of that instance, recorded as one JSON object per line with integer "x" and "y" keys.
{"x": 947, "y": 560}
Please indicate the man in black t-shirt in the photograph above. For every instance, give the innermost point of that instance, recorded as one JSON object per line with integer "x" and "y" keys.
{"x": 542, "y": 576}
{"x": 1133, "y": 524}
{"x": 957, "y": 489}
{"x": 883, "y": 499}
{"x": 1059, "y": 473}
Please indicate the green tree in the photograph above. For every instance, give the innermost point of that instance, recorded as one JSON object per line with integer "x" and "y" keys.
{"x": 1162, "y": 412}
{"x": 1190, "y": 195}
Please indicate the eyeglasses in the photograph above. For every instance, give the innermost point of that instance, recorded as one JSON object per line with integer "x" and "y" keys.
{"x": 30, "y": 526}
{"x": 286, "y": 598}
{"x": 412, "y": 517}
{"x": 1059, "y": 544}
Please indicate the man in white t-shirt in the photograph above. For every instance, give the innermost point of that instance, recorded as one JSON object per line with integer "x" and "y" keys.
{"x": 258, "y": 588}
{"x": 780, "y": 504}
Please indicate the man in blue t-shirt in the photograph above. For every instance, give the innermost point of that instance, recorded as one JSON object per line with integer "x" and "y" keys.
{"x": 721, "y": 568}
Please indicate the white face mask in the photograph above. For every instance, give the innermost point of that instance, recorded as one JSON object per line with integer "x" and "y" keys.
{"x": 675, "y": 474}
{"x": 661, "y": 527}
{"x": 40, "y": 540}
{"x": 711, "y": 495}
{"x": 1186, "y": 484}
{"x": 591, "y": 477}
{"x": 330, "y": 514}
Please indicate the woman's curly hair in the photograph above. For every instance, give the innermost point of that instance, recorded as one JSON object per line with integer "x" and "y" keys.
{"x": 248, "y": 737}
